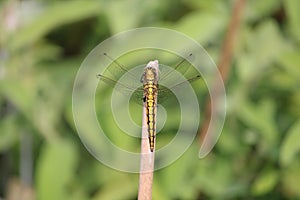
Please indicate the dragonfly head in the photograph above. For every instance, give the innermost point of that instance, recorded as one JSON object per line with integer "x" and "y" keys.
{"x": 150, "y": 72}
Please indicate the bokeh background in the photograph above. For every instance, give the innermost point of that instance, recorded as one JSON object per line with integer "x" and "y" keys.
{"x": 43, "y": 43}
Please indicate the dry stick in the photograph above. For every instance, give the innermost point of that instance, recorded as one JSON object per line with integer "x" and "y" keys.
{"x": 225, "y": 60}
{"x": 147, "y": 163}
{"x": 147, "y": 157}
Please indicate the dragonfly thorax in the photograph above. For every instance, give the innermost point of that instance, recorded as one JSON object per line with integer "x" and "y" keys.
{"x": 150, "y": 75}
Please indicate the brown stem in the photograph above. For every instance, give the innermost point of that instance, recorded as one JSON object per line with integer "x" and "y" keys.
{"x": 146, "y": 165}
{"x": 225, "y": 60}
{"x": 147, "y": 156}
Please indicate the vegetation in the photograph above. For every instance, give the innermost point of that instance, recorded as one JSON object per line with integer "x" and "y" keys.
{"x": 42, "y": 45}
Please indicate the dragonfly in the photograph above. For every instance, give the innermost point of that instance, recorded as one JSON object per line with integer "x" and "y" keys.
{"x": 150, "y": 92}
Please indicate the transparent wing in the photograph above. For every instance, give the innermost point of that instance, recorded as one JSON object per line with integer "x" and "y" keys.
{"x": 132, "y": 86}
{"x": 135, "y": 93}
{"x": 182, "y": 67}
{"x": 165, "y": 92}
{"x": 117, "y": 70}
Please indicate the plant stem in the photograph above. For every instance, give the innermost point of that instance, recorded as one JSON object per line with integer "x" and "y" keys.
{"x": 149, "y": 118}
{"x": 224, "y": 62}
{"x": 146, "y": 163}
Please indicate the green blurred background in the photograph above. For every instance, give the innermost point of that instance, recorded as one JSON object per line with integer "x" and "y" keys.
{"x": 42, "y": 44}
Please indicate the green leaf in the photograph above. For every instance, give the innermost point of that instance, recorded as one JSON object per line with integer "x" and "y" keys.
{"x": 228, "y": 142}
{"x": 123, "y": 187}
{"x": 109, "y": 180}
{"x": 208, "y": 5}
{"x": 213, "y": 175}
{"x": 290, "y": 61}
{"x": 292, "y": 10}
{"x": 40, "y": 93}
{"x": 9, "y": 133}
{"x": 257, "y": 9}
{"x": 55, "y": 170}
{"x": 176, "y": 180}
{"x": 290, "y": 180}
{"x": 265, "y": 182}
{"x": 262, "y": 47}
{"x": 124, "y": 15}
{"x": 209, "y": 25}
{"x": 260, "y": 117}
{"x": 58, "y": 14}
{"x": 290, "y": 146}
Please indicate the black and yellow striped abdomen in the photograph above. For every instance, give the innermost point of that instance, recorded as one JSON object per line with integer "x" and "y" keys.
{"x": 150, "y": 85}
{"x": 150, "y": 91}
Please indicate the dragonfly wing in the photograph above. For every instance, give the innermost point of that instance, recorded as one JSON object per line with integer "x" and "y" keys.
{"x": 118, "y": 69}
{"x": 165, "y": 92}
{"x": 115, "y": 84}
{"x": 136, "y": 94}
{"x": 182, "y": 67}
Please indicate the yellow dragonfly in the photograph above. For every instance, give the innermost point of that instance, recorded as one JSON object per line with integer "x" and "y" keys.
{"x": 150, "y": 92}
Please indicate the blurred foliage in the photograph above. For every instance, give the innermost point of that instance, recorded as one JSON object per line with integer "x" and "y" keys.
{"x": 42, "y": 45}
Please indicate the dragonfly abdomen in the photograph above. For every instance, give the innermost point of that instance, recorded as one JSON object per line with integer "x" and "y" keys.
{"x": 150, "y": 83}
{"x": 150, "y": 103}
